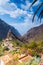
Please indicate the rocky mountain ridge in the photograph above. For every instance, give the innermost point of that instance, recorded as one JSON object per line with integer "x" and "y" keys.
{"x": 34, "y": 34}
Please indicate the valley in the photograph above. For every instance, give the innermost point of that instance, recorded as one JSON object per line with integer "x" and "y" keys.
{"x": 17, "y": 49}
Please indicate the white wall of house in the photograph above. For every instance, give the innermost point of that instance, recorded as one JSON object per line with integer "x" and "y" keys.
{"x": 2, "y": 62}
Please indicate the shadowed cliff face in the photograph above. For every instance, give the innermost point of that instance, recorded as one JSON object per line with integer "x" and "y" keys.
{"x": 35, "y": 34}
{"x": 4, "y": 29}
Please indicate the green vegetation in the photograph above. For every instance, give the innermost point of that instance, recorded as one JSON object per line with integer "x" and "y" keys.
{"x": 33, "y": 45}
{"x": 40, "y": 47}
{"x": 33, "y": 48}
{"x": 37, "y": 47}
{"x": 34, "y": 61}
{"x": 1, "y": 51}
{"x": 14, "y": 52}
{"x": 6, "y": 48}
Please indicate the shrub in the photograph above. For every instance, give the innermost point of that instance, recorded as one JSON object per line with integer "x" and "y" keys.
{"x": 33, "y": 45}
{"x": 5, "y": 48}
{"x": 35, "y": 54}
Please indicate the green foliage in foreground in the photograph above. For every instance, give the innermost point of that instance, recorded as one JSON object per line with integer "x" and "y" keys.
{"x": 36, "y": 46}
{"x": 1, "y": 52}
{"x": 32, "y": 48}
{"x": 34, "y": 61}
{"x": 1, "y": 49}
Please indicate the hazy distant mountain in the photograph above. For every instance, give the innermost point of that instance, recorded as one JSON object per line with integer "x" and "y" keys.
{"x": 4, "y": 29}
{"x": 34, "y": 34}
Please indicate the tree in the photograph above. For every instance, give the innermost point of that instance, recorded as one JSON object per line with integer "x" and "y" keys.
{"x": 40, "y": 47}
{"x": 33, "y": 45}
{"x": 41, "y": 13}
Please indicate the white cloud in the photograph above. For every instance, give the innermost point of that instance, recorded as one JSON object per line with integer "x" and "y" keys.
{"x": 24, "y": 26}
{"x": 17, "y": 12}
{"x": 3, "y": 2}
{"x": 26, "y": 5}
{"x": 7, "y": 8}
{"x": 14, "y": 12}
{"x": 11, "y": 9}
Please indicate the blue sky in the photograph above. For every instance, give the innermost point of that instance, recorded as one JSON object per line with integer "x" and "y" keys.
{"x": 18, "y": 14}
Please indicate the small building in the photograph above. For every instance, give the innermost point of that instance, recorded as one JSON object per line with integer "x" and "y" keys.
{"x": 7, "y": 43}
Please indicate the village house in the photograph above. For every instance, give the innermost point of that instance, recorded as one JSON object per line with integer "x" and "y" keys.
{"x": 7, "y": 43}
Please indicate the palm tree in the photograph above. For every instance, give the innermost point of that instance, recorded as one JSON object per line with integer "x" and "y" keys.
{"x": 41, "y": 13}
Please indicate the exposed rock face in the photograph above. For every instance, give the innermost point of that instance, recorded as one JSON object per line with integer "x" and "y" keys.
{"x": 35, "y": 34}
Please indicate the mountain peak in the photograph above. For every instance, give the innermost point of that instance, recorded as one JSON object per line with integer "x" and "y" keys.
{"x": 6, "y": 29}
{"x": 34, "y": 34}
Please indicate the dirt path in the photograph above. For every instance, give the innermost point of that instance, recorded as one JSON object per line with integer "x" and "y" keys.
{"x": 8, "y": 58}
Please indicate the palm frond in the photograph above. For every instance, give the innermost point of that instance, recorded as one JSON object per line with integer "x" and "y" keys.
{"x": 40, "y": 15}
{"x": 33, "y": 3}
{"x": 37, "y": 11}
